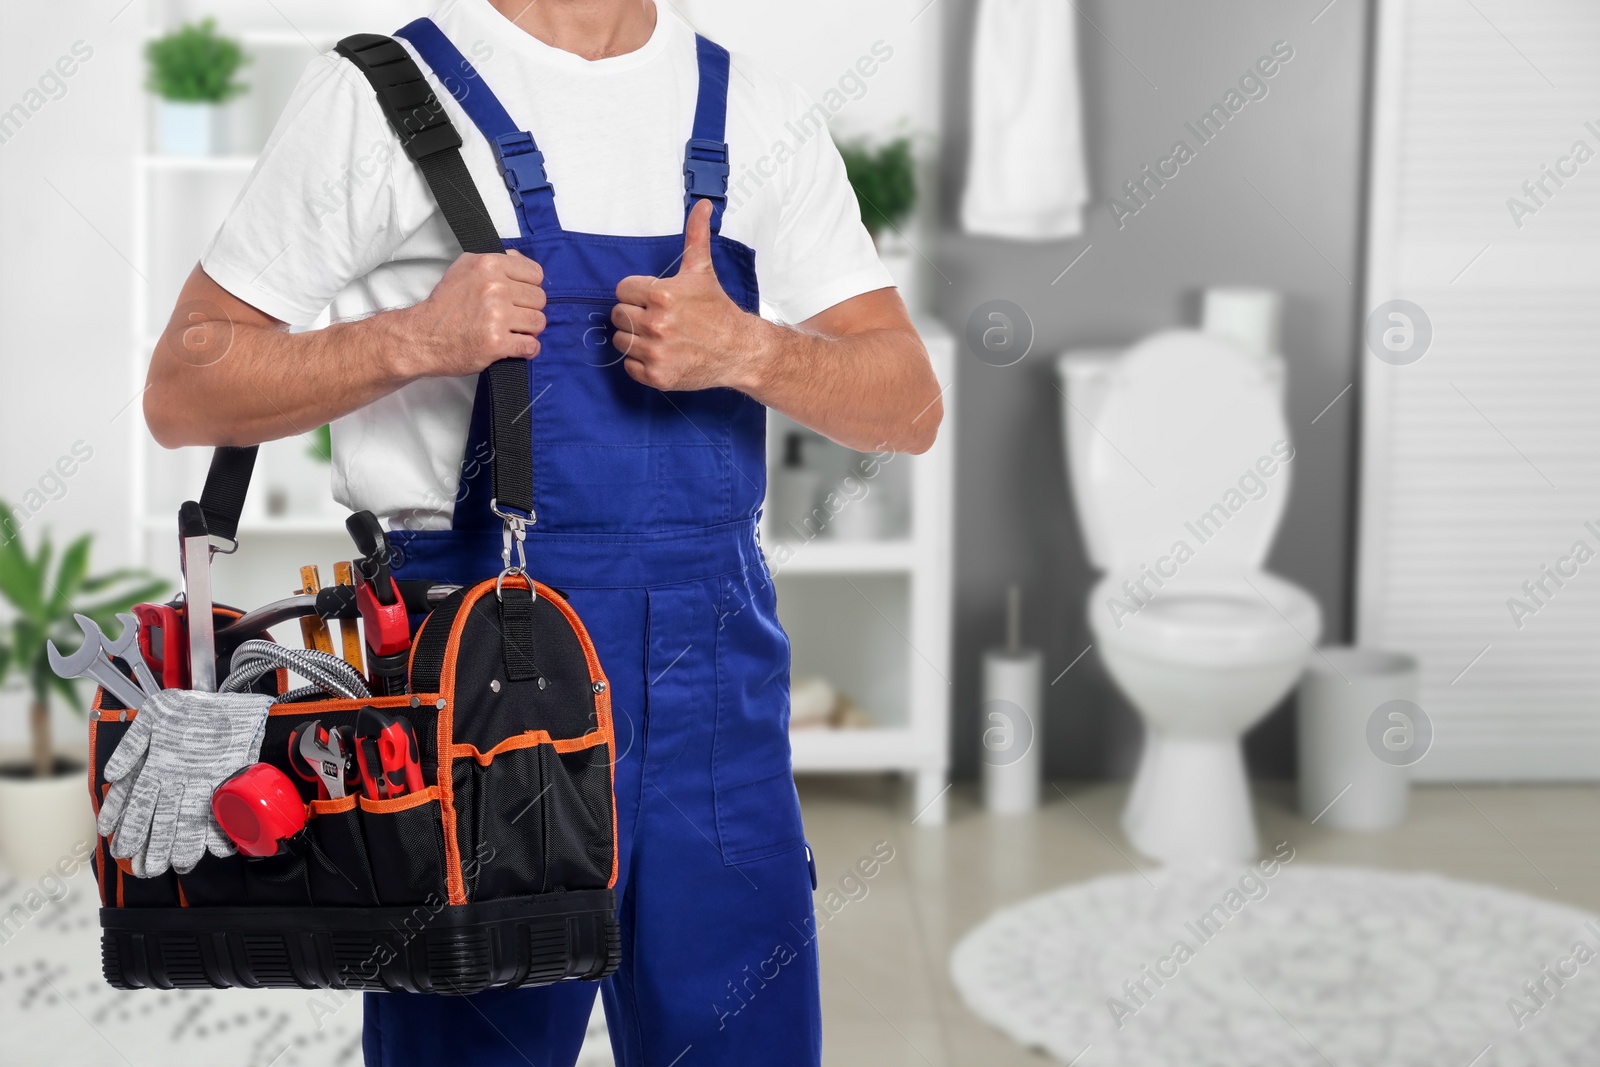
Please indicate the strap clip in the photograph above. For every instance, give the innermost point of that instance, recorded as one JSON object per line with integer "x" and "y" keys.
{"x": 521, "y": 163}
{"x": 513, "y": 533}
{"x": 705, "y": 171}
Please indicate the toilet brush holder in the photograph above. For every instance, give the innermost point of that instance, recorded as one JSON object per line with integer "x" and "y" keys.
{"x": 1012, "y": 753}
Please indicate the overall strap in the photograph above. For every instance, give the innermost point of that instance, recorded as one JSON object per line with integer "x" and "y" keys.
{"x": 705, "y": 158}
{"x": 521, "y": 162}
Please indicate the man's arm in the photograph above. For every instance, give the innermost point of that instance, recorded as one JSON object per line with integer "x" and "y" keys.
{"x": 857, "y": 372}
{"x": 225, "y": 373}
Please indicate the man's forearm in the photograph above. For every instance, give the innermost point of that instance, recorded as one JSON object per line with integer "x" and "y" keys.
{"x": 872, "y": 390}
{"x": 268, "y": 383}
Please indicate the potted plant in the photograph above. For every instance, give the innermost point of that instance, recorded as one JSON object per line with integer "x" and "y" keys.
{"x": 43, "y": 809}
{"x": 884, "y": 178}
{"x": 192, "y": 70}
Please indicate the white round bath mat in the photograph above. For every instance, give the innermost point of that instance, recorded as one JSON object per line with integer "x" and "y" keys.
{"x": 1313, "y": 966}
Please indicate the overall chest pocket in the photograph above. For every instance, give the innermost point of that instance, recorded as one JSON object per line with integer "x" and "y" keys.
{"x": 613, "y": 454}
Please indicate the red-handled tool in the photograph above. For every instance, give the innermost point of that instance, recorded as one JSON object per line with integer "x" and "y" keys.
{"x": 163, "y": 643}
{"x": 259, "y": 809}
{"x": 387, "y": 755}
{"x": 383, "y": 609}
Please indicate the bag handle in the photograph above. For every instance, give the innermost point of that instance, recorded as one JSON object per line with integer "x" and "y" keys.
{"x": 432, "y": 142}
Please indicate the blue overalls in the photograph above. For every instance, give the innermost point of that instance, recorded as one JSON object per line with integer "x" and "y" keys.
{"x": 645, "y": 505}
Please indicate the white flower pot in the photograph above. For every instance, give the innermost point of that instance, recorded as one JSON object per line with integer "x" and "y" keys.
{"x": 189, "y": 129}
{"x": 43, "y": 820}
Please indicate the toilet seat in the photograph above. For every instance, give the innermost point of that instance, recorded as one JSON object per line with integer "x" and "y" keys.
{"x": 1210, "y": 620}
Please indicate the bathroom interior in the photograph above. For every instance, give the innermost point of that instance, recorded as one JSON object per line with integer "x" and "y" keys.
{"x": 1220, "y": 688}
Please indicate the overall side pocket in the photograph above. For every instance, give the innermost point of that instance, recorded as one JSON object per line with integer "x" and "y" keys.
{"x": 337, "y": 866}
{"x": 405, "y": 846}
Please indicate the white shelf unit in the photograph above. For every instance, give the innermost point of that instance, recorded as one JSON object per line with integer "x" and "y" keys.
{"x": 874, "y": 617}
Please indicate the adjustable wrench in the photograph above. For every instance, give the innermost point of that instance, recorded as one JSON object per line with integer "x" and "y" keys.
{"x": 324, "y": 753}
{"x": 126, "y": 648}
{"x": 90, "y": 660}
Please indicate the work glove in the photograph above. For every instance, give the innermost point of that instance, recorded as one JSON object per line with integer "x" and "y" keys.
{"x": 181, "y": 746}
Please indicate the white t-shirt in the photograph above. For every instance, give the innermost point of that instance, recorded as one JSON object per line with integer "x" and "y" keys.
{"x": 335, "y": 217}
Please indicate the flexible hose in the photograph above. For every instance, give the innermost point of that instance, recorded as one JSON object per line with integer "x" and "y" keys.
{"x": 325, "y": 671}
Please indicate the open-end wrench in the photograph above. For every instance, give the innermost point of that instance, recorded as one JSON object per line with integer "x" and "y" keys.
{"x": 90, "y": 659}
{"x": 126, "y": 648}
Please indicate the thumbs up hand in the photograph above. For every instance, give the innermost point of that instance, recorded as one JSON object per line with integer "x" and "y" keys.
{"x": 684, "y": 332}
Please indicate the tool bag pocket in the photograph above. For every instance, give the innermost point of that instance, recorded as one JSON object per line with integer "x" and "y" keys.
{"x": 405, "y": 839}
{"x": 535, "y": 814}
{"x": 338, "y": 869}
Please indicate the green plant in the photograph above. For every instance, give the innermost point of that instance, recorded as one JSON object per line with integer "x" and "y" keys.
{"x": 885, "y": 182}
{"x": 319, "y": 443}
{"x": 44, "y": 607}
{"x": 193, "y": 64}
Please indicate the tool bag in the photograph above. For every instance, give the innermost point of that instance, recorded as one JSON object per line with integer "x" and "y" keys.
{"x": 501, "y": 870}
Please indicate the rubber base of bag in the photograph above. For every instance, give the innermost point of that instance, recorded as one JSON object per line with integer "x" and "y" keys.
{"x": 527, "y": 941}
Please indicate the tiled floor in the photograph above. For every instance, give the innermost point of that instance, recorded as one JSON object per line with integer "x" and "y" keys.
{"x": 887, "y": 995}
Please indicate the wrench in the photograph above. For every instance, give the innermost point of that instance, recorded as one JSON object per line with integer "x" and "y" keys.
{"x": 327, "y": 759}
{"x": 90, "y": 659}
{"x": 126, "y": 648}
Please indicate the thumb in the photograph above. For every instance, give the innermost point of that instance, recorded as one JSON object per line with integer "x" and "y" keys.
{"x": 697, "y": 241}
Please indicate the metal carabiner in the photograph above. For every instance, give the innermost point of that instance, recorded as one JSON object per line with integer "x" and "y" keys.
{"x": 513, "y": 532}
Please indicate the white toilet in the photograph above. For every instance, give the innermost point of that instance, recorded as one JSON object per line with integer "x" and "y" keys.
{"x": 1179, "y": 459}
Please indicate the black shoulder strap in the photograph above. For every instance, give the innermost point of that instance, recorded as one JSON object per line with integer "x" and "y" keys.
{"x": 431, "y": 142}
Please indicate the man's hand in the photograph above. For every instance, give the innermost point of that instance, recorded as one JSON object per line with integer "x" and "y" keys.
{"x": 684, "y": 332}
{"x": 226, "y": 373}
{"x": 485, "y": 308}
{"x": 856, "y": 372}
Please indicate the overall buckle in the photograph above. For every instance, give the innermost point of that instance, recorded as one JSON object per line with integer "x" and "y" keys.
{"x": 705, "y": 171}
{"x": 521, "y": 163}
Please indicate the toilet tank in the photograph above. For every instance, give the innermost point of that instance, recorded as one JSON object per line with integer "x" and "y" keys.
{"x": 1083, "y": 380}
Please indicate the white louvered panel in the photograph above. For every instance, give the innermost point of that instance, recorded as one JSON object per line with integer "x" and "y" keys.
{"x": 1481, "y": 462}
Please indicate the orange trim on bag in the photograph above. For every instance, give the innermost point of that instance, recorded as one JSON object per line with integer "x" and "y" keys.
{"x": 444, "y": 737}
{"x": 331, "y": 807}
{"x": 94, "y": 727}
{"x": 405, "y": 803}
{"x": 314, "y": 708}
{"x": 530, "y": 739}
{"x": 183, "y": 901}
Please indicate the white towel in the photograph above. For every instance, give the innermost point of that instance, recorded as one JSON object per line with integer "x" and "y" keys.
{"x": 1025, "y": 175}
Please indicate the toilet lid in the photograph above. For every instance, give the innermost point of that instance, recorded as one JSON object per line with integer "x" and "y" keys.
{"x": 1191, "y": 449}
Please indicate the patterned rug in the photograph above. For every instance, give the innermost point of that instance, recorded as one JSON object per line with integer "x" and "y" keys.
{"x": 1313, "y": 966}
{"x": 55, "y": 1009}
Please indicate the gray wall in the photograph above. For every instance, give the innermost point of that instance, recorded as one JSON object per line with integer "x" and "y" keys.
{"x": 1147, "y": 66}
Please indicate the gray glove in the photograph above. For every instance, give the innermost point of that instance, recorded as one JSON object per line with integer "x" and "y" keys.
{"x": 181, "y": 746}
